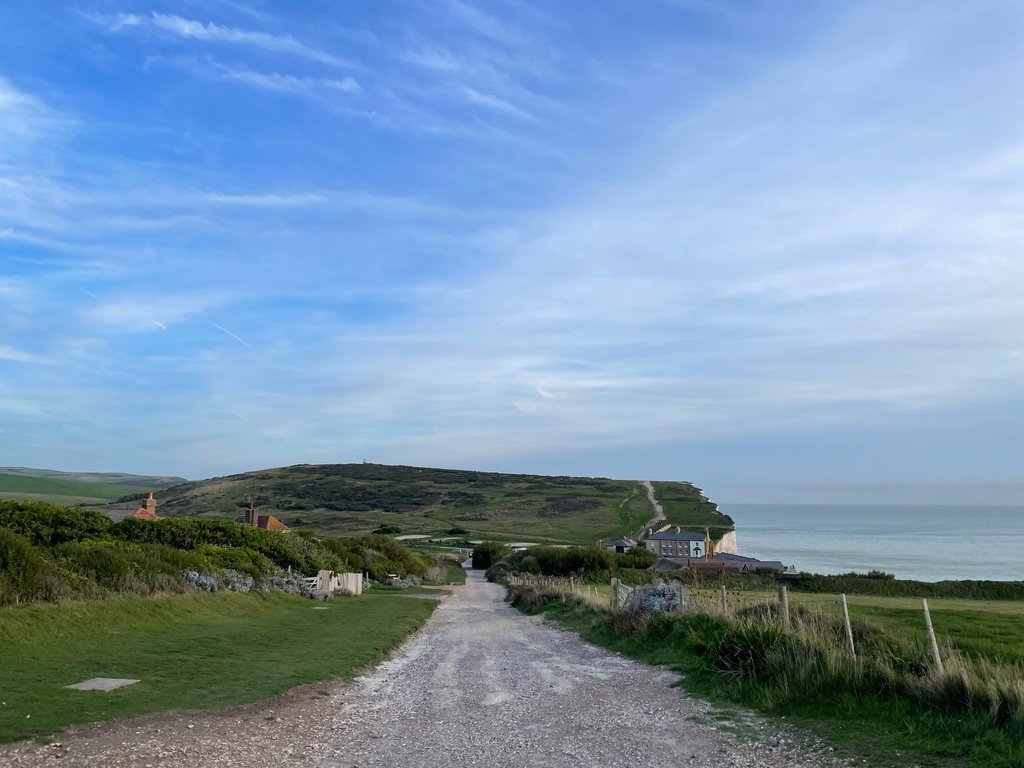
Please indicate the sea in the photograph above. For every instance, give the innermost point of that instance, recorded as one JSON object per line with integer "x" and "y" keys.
{"x": 913, "y": 542}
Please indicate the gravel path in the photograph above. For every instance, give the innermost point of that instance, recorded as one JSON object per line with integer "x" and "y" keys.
{"x": 659, "y": 513}
{"x": 480, "y": 685}
{"x": 484, "y": 685}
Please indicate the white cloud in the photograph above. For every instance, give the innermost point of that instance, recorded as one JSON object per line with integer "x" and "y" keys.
{"x": 266, "y": 200}
{"x": 15, "y": 355}
{"x": 318, "y": 88}
{"x": 216, "y": 33}
{"x": 150, "y": 310}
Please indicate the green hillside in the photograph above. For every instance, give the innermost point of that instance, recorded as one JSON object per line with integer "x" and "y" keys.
{"x": 108, "y": 478}
{"x": 686, "y": 506}
{"x": 61, "y": 491}
{"x": 358, "y": 498}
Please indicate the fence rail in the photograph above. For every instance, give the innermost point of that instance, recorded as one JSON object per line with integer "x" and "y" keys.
{"x": 707, "y": 601}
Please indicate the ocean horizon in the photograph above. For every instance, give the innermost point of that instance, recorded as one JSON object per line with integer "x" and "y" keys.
{"x": 926, "y": 543}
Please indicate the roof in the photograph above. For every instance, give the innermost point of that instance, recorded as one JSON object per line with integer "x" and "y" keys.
{"x": 624, "y": 542}
{"x": 271, "y": 523}
{"x": 669, "y": 536}
{"x": 768, "y": 565}
{"x": 752, "y": 563}
{"x": 266, "y": 522}
{"x": 708, "y": 566}
{"x": 121, "y": 513}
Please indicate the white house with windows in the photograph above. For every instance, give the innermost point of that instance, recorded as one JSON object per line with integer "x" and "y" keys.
{"x": 679, "y": 544}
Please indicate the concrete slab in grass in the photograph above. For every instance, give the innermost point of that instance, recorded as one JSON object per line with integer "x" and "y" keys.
{"x": 319, "y": 607}
{"x": 102, "y": 684}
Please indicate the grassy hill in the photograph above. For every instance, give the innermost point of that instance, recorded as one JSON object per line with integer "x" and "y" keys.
{"x": 56, "y": 490}
{"x": 150, "y": 482}
{"x": 358, "y": 498}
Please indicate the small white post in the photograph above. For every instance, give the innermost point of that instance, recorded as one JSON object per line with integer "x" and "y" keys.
{"x": 846, "y": 625}
{"x": 784, "y": 605}
{"x": 931, "y": 636}
{"x": 725, "y": 604}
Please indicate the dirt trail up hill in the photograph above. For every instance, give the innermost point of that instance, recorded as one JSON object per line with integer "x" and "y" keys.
{"x": 479, "y": 685}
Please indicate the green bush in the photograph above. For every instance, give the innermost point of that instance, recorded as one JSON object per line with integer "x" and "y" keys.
{"x": 556, "y": 561}
{"x": 637, "y": 558}
{"x": 26, "y": 574}
{"x": 378, "y": 556}
{"x": 488, "y": 553}
{"x": 117, "y": 567}
{"x": 240, "y": 559}
{"x": 47, "y": 525}
{"x": 282, "y": 549}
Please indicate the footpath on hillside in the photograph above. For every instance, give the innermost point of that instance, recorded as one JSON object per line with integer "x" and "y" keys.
{"x": 481, "y": 684}
{"x": 659, "y": 513}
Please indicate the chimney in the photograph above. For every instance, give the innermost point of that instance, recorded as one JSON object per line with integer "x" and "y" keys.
{"x": 679, "y": 529}
{"x": 250, "y": 514}
{"x": 150, "y": 503}
{"x": 707, "y": 544}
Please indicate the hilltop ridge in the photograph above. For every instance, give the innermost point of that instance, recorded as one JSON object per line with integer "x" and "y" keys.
{"x": 360, "y": 498}
{"x": 109, "y": 478}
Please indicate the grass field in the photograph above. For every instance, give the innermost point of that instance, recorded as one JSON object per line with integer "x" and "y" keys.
{"x": 189, "y": 651}
{"x": 871, "y": 709}
{"x": 346, "y": 499}
{"x": 61, "y": 491}
{"x": 980, "y": 628}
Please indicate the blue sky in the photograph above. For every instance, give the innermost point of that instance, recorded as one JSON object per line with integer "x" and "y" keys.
{"x": 742, "y": 243}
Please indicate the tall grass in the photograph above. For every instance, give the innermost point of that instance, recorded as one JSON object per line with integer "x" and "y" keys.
{"x": 972, "y": 713}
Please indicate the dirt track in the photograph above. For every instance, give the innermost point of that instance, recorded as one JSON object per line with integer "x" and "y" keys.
{"x": 479, "y": 685}
{"x": 485, "y": 685}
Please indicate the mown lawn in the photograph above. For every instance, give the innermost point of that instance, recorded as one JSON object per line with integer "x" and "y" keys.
{"x": 189, "y": 651}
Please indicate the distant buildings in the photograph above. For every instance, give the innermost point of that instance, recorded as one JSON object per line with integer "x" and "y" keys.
{"x": 620, "y": 545}
{"x": 696, "y": 552}
{"x": 679, "y": 544}
{"x": 147, "y": 511}
{"x": 266, "y": 522}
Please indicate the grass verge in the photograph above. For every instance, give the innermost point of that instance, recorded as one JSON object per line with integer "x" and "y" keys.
{"x": 885, "y": 708}
{"x": 189, "y": 651}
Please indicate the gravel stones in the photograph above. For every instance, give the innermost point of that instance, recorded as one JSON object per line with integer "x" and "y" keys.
{"x": 482, "y": 684}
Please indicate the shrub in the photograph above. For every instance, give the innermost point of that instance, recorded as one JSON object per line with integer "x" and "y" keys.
{"x": 26, "y": 574}
{"x": 282, "y": 549}
{"x": 378, "y": 556}
{"x": 556, "y": 561}
{"x": 47, "y": 525}
{"x": 638, "y": 558}
{"x": 487, "y": 553}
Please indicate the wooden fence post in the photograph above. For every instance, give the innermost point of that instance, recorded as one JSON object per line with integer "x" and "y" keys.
{"x": 615, "y": 594}
{"x": 931, "y": 636}
{"x": 725, "y": 604}
{"x": 846, "y": 626}
{"x": 784, "y": 605}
